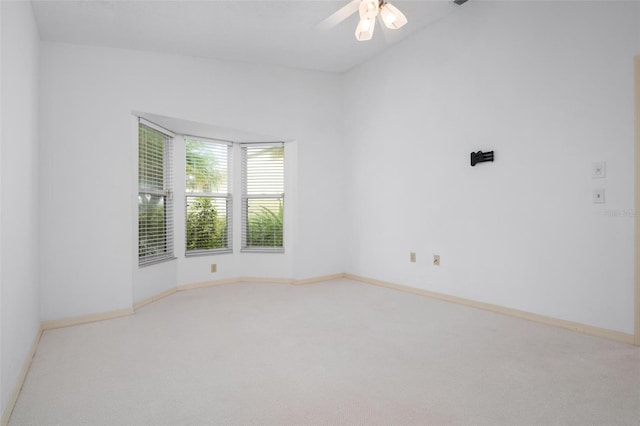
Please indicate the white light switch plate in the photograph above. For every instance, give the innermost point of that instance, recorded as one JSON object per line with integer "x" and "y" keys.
{"x": 599, "y": 169}
{"x": 598, "y": 196}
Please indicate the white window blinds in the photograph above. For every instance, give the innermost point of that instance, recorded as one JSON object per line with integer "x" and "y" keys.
{"x": 262, "y": 197}
{"x": 208, "y": 200}
{"x": 155, "y": 197}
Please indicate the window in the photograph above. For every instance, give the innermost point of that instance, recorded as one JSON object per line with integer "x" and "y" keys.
{"x": 155, "y": 198}
{"x": 262, "y": 197}
{"x": 208, "y": 199}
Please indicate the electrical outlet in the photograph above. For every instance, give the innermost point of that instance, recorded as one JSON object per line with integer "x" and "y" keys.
{"x": 412, "y": 257}
{"x": 598, "y": 196}
{"x": 214, "y": 267}
{"x": 436, "y": 260}
{"x": 599, "y": 170}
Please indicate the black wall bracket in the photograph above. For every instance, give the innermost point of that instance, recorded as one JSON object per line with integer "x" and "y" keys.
{"x": 481, "y": 157}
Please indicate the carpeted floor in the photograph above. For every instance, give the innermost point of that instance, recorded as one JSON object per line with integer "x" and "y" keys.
{"x": 338, "y": 352}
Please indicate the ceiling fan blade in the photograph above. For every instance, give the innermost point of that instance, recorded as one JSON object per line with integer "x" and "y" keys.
{"x": 340, "y": 15}
{"x": 392, "y": 17}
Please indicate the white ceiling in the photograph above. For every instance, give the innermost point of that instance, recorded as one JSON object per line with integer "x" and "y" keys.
{"x": 273, "y": 32}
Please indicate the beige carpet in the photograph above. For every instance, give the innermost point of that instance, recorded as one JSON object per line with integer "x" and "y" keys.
{"x": 338, "y": 352}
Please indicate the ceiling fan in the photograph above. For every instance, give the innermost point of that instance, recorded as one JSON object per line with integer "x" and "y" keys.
{"x": 368, "y": 10}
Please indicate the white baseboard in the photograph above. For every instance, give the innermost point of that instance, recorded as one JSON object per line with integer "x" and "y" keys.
{"x": 582, "y": 328}
{"x": 318, "y": 279}
{"x": 265, "y": 280}
{"x": 68, "y": 322}
{"x": 154, "y": 298}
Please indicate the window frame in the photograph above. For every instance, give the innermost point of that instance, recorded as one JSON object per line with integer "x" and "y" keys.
{"x": 228, "y": 196}
{"x": 166, "y": 193}
{"x": 245, "y": 197}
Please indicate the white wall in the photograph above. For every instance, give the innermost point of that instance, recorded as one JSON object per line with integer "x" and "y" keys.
{"x": 89, "y": 153}
{"x": 549, "y": 87}
{"x": 19, "y": 189}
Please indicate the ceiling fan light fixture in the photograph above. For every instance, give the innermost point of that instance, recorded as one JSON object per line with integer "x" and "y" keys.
{"x": 392, "y": 17}
{"x": 368, "y": 9}
{"x": 364, "y": 30}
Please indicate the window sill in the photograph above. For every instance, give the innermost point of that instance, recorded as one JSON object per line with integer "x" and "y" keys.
{"x": 156, "y": 261}
{"x": 199, "y": 253}
{"x": 278, "y": 250}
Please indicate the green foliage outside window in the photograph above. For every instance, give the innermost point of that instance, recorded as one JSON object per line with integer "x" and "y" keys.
{"x": 151, "y": 225}
{"x": 265, "y": 226}
{"x": 205, "y": 228}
